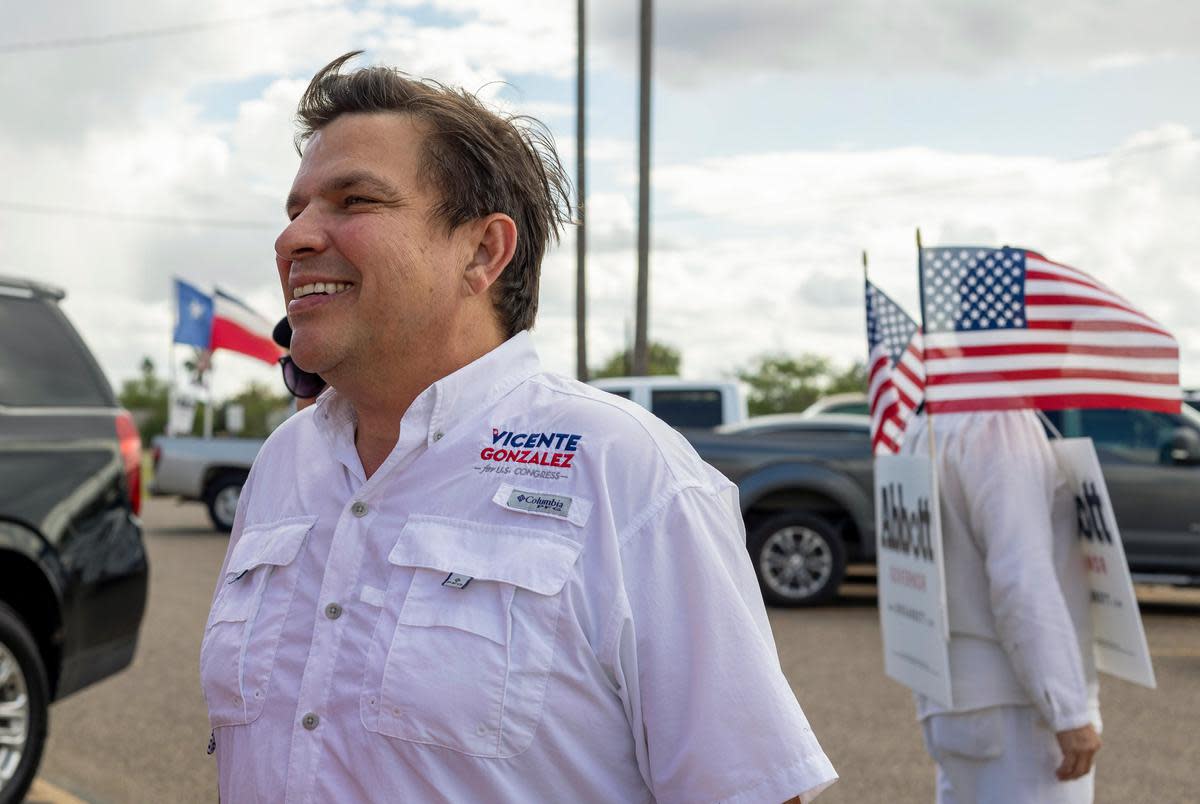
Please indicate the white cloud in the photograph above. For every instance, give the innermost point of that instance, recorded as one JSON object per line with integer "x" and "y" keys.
{"x": 783, "y": 271}
{"x": 756, "y": 252}
{"x": 705, "y": 40}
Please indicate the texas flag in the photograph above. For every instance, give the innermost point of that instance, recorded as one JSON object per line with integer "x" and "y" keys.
{"x": 193, "y": 315}
{"x": 239, "y": 329}
{"x": 222, "y": 321}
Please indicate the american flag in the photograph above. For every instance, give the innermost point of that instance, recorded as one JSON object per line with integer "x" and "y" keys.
{"x": 895, "y": 374}
{"x": 1007, "y": 328}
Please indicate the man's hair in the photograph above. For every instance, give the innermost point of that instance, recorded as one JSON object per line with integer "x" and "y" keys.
{"x": 478, "y": 162}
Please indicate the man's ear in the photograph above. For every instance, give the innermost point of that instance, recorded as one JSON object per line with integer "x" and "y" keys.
{"x": 494, "y": 246}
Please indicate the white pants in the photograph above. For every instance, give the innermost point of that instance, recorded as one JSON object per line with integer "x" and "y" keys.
{"x": 1002, "y": 754}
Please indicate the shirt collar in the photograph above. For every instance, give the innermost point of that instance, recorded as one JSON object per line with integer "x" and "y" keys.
{"x": 442, "y": 406}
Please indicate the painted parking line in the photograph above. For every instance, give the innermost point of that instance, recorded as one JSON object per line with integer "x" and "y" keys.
{"x": 42, "y": 792}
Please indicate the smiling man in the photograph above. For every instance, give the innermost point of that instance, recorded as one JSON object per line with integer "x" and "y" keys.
{"x": 456, "y": 576}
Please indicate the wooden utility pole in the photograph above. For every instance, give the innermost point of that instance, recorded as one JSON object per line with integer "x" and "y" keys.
{"x": 581, "y": 366}
{"x": 640, "y": 361}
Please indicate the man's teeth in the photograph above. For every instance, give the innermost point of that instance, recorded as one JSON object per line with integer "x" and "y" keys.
{"x": 320, "y": 287}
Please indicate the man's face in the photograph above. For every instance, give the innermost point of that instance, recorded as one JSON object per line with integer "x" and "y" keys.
{"x": 362, "y": 225}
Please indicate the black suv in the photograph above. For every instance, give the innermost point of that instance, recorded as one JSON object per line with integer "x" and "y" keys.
{"x": 73, "y": 569}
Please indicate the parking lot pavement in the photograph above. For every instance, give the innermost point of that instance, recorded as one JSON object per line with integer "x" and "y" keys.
{"x": 141, "y": 736}
{"x": 43, "y": 792}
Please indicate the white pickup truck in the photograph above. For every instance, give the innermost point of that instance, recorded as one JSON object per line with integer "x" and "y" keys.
{"x": 212, "y": 470}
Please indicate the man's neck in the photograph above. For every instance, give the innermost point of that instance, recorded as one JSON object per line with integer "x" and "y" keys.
{"x": 383, "y": 393}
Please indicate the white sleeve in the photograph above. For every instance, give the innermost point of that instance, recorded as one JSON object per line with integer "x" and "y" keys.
{"x": 1010, "y": 473}
{"x": 690, "y": 647}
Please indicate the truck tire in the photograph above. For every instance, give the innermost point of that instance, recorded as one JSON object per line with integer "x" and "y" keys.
{"x": 798, "y": 558}
{"x": 24, "y": 703}
{"x": 222, "y": 496}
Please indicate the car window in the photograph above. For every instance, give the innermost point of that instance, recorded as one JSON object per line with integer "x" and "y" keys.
{"x": 1055, "y": 417}
{"x": 623, "y": 393}
{"x": 1141, "y": 436}
{"x": 43, "y": 363}
{"x": 859, "y": 408}
{"x": 683, "y": 407}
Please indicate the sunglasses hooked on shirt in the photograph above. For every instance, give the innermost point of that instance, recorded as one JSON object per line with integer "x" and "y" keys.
{"x": 300, "y": 383}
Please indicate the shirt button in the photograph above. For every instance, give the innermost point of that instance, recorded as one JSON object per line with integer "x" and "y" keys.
{"x": 438, "y": 435}
{"x": 310, "y": 721}
{"x": 333, "y": 611}
{"x": 359, "y": 508}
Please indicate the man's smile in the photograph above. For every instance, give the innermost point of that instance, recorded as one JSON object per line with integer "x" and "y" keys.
{"x": 316, "y": 294}
{"x": 327, "y": 288}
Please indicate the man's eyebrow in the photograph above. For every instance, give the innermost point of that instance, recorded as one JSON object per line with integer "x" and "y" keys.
{"x": 346, "y": 181}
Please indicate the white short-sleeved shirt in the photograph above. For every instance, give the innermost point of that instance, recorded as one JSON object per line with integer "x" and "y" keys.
{"x": 543, "y": 594}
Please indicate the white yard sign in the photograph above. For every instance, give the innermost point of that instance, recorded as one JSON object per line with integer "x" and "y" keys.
{"x": 912, "y": 597}
{"x": 181, "y": 412}
{"x": 1119, "y": 639}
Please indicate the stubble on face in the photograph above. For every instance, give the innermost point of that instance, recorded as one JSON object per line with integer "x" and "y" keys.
{"x": 362, "y": 214}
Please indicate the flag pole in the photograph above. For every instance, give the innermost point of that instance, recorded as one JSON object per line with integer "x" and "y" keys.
{"x": 174, "y": 329}
{"x": 936, "y": 502}
{"x": 864, "y": 261}
{"x": 924, "y": 336}
{"x": 171, "y": 378}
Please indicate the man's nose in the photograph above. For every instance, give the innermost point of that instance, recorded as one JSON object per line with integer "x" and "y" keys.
{"x": 303, "y": 237}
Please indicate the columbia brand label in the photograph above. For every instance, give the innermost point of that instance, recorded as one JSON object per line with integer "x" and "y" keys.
{"x": 456, "y": 581}
{"x": 535, "y": 502}
{"x": 542, "y": 503}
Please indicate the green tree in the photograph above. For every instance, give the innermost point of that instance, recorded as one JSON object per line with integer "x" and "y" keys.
{"x": 662, "y": 359}
{"x": 146, "y": 399}
{"x": 853, "y": 378}
{"x": 781, "y": 383}
{"x": 259, "y": 403}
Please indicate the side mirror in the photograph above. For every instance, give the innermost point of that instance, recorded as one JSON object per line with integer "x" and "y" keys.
{"x": 1185, "y": 447}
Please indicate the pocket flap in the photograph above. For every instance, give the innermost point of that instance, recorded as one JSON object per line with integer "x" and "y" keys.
{"x": 480, "y": 608}
{"x": 531, "y": 559}
{"x": 277, "y": 543}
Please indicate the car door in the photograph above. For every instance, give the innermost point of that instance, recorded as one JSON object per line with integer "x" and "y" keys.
{"x": 1155, "y": 498}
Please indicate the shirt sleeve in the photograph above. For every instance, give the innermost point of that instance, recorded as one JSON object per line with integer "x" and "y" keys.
{"x": 691, "y": 651}
{"x": 1010, "y": 473}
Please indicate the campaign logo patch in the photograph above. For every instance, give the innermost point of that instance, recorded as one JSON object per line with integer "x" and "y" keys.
{"x": 516, "y": 453}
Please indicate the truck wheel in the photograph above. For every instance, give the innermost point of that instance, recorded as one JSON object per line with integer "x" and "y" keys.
{"x": 24, "y": 699}
{"x": 799, "y": 559}
{"x": 221, "y": 496}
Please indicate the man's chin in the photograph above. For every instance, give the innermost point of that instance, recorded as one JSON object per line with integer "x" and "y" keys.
{"x": 314, "y": 361}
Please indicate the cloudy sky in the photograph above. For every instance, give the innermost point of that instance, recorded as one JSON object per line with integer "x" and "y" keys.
{"x": 144, "y": 140}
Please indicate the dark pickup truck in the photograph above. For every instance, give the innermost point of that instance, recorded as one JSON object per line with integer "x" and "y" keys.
{"x": 806, "y": 488}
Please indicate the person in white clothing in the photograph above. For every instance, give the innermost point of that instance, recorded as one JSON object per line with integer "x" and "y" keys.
{"x": 1026, "y": 717}
{"x": 457, "y": 577}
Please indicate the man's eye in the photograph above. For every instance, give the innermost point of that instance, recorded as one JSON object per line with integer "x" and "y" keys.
{"x": 351, "y": 200}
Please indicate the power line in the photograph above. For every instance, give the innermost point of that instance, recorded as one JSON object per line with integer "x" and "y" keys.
{"x": 152, "y": 33}
{"x": 139, "y": 217}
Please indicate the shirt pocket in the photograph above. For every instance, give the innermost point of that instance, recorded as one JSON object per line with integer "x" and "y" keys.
{"x": 237, "y": 654}
{"x": 977, "y": 735}
{"x": 462, "y": 652}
